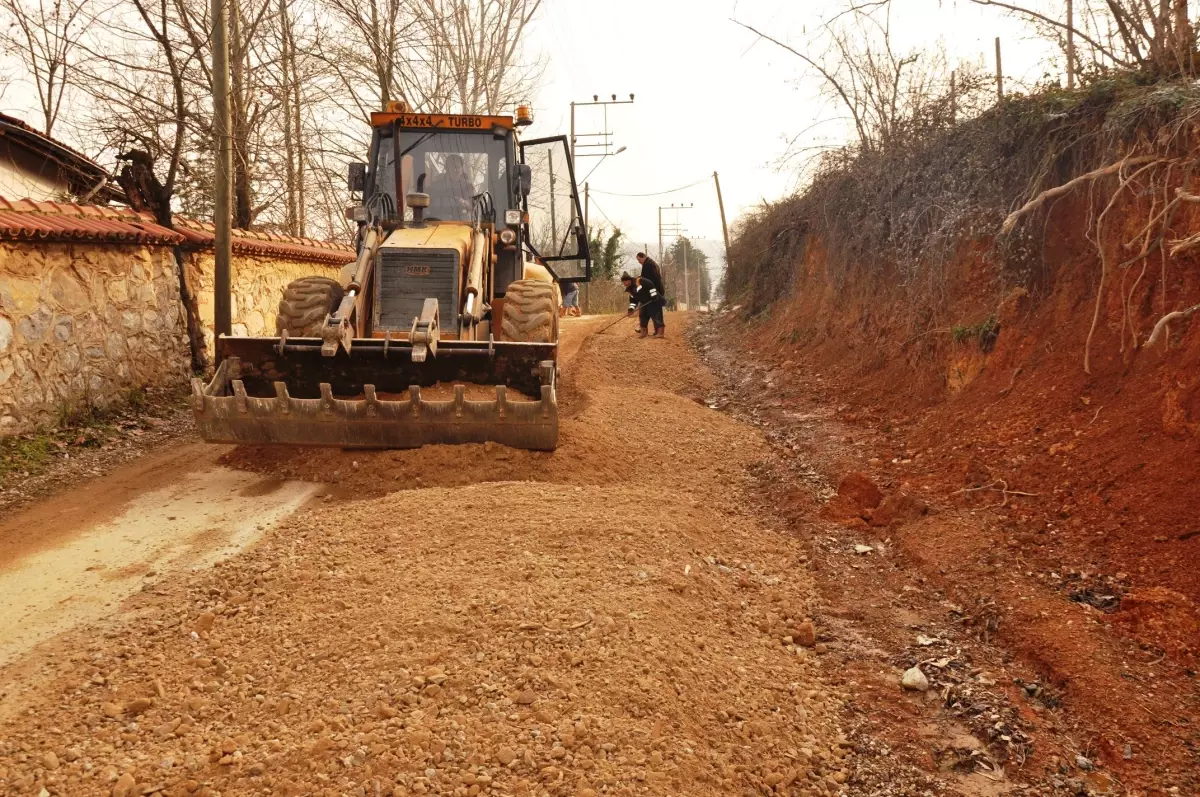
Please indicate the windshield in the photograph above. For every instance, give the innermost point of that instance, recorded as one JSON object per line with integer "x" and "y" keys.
{"x": 457, "y": 167}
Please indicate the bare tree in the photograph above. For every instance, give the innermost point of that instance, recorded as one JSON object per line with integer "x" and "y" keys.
{"x": 369, "y": 58}
{"x": 890, "y": 97}
{"x": 44, "y": 35}
{"x": 305, "y": 76}
{"x": 482, "y": 41}
{"x": 293, "y": 136}
{"x": 1134, "y": 34}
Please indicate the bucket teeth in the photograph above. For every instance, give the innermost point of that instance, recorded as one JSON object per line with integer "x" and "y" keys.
{"x": 239, "y": 393}
{"x": 228, "y": 411}
{"x": 283, "y": 398}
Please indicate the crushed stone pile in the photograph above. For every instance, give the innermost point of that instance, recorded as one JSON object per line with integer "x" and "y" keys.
{"x": 644, "y": 636}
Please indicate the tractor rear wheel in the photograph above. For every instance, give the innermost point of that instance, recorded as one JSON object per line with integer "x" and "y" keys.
{"x": 305, "y": 304}
{"x": 530, "y": 312}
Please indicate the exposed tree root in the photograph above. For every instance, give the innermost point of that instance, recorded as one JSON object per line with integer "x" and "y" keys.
{"x": 1052, "y": 193}
{"x": 1162, "y": 327}
{"x": 1002, "y": 489}
{"x": 1087, "y": 347}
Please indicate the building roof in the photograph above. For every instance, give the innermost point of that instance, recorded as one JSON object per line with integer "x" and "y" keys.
{"x": 202, "y": 235}
{"x": 81, "y": 172}
{"x": 27, "y": 220}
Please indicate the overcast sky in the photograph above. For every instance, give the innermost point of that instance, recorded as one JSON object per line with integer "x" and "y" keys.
{"x": 709, "y": 97}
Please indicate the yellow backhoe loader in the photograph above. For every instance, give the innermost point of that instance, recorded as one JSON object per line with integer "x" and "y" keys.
{"x": 464, "y": 234}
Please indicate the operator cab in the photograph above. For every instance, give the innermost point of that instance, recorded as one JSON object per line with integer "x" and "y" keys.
{"x": 456, "y": 169}
{"x": 475, "y": 171}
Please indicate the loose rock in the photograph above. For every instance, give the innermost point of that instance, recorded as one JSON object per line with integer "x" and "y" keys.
{"x": 914, "y": 680}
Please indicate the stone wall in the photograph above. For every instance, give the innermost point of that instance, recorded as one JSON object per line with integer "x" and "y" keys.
{"x": 84, "y": 323}
{"x": 257, "y": 284}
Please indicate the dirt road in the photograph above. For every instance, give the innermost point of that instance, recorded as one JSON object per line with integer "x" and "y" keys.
{"x": 610, "y": 618}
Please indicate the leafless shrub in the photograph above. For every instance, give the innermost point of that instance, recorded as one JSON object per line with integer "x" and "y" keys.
{"x": 862, "y": 197}
{"x": 305, "y": 75}
{"x": 1155, "y": 38}
{"x": 44, "y": 36}
{"x": 894, "y": 220}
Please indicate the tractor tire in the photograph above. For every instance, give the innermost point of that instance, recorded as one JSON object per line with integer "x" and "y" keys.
{"x": 305, "y": 304}
{"x": 530, "y": 312}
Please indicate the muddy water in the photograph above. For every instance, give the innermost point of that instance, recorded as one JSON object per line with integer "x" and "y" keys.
{"x": 200, "y": 517}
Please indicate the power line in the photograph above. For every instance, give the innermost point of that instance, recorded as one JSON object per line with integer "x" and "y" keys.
{"x": 605, "y": 215}
{"x": 655, "y": 193}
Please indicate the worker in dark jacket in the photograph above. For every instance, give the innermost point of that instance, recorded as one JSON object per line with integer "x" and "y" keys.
{"x": 652, "y": 272}
{"x": 646, "y": 301}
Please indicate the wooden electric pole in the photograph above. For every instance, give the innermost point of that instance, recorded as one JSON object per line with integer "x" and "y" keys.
{"x": 1070, "y": 44}
{"x": 953, "y": 97}
{"x": 999, "y": 73}
{"x": 724, "y": 226}
{"x": 222, "y": 218}
{"x": 687, "y": 292}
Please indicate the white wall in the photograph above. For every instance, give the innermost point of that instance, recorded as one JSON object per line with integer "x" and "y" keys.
{"x": 24, "y": 176}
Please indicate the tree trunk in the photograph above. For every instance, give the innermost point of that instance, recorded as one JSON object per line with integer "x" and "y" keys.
{"x": 1184, "y": 44}
{"x": 298, "y": 131}
{"x": 289, "y": 138}
{"x": 242, "y": 213}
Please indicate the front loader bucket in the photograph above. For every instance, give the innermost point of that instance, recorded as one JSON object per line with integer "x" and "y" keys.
{"x": 272, "y": 391}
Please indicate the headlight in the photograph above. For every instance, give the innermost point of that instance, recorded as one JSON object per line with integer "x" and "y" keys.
{"x": 508, "y": 237}
{"x": 512, "y": 217}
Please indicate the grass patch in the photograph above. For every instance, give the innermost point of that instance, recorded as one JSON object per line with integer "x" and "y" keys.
{"x": 25, "y": 454}
{"x": 78, "y": 424}
{"x": 985, "y": 333}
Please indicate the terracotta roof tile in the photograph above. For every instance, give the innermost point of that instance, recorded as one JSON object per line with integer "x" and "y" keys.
{"x": 21, "y": 123}
{"x": 29, "y": 220}
{"x": 202, "y": 234}
{"x": 26, "y": 220}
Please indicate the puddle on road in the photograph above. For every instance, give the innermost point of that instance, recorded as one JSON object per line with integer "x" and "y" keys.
{"x": 204, "y": 517}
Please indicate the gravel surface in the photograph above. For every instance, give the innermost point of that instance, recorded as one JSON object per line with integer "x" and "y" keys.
{"x": 616, "y": 622}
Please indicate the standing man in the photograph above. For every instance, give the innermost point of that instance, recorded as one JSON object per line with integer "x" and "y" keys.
{"x": 645, "y": 299}
{"x": 652, "y": 272}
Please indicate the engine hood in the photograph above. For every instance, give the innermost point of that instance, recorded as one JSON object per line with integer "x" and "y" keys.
{"x": 440, "y": 235}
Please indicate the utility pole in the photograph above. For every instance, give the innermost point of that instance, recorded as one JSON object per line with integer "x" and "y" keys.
{"x": 1070, "y": 44}
{"x": 678, "y": 229}
{"x": 222, "y": 219}
{"x": 690, "y": 244}
{"x": 953, "y": 97}
{"x": 660, "y": 247}
{"x": 605, "y": 135}
{"x": 605, "y": 147}
{"x": 687, "y": 293}
{"x": 724, "y": 226}
{"x": 999, "y": 74}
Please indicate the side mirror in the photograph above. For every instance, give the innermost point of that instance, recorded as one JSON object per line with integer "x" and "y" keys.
{"x": 356, "y": 178}
{"x": 524, "y": 178}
